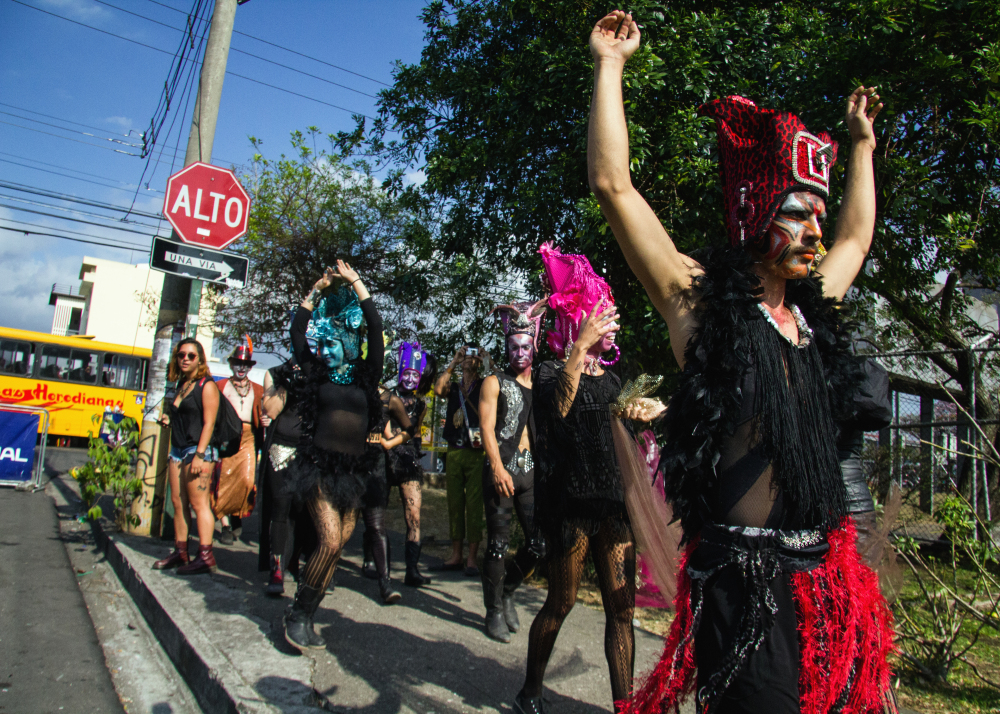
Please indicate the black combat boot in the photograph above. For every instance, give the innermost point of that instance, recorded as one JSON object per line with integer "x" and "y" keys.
{"x": 414, "y": 578}
{"x": 299, "y": 630}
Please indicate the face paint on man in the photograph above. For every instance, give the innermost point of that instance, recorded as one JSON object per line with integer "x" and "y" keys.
{"x": 794, "y": 233}
{"x": 409, "y": 380}
{"x": 520, "y": 351}
{"x": 240, "y": 370}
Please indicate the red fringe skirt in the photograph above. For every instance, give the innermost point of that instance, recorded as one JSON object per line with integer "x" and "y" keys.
{"x": 845, "y": 637}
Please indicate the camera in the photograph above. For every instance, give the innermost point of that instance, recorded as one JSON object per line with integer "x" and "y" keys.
{"x": 471, "y": 351}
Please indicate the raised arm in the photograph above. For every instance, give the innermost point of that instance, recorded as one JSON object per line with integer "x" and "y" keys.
{"x": 442, "y": 385}
{"x": 856, "y": 220}
{"x": 664, "y": 272}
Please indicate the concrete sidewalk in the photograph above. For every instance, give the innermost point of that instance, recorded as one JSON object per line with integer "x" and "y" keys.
{"x": 425, "y": 655}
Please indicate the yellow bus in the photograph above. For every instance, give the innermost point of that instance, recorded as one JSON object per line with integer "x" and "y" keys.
{"x": 74, "y": 378}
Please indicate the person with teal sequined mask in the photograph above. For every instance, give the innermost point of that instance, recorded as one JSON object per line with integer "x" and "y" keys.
{"x": 339, "y": 406}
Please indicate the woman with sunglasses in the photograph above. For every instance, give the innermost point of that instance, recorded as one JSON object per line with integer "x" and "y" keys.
{"x": 191, "y": 418}
{"x": 339, "y": 405}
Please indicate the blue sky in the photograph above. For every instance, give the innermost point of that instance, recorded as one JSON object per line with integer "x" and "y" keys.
{"x": 83, "y": 87}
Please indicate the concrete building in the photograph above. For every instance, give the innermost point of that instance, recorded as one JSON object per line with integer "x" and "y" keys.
{"x": 118, "y": 303}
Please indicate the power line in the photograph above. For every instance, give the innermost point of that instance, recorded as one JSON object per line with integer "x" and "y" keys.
{"x": 74, "y": 220}
{"x": 49, "y": 116}
{"x": 24, "y": 188}
{"x": 74, "y": 210}
{"x": 234, "y": 74}
{"x": 67, "y": 138}
{"x": 75, "y": 131}
{"x": 75, "y": 178}
{"x": 64, "y": 168}
{"x": 242, "y": 52}
{"x": 286, "y": 49}
{"x": 117, "y": 241}
{"x": 76, "y": 240}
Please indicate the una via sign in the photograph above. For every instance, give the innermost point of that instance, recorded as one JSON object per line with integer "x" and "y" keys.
{"x": 224, "y": 269}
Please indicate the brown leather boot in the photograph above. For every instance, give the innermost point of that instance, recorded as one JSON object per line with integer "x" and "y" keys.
{"x": 204, "y": 563}
{"x": 178, "y": 557}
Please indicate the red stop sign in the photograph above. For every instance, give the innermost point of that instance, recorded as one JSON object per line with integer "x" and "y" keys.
{"x": 206, "y": 205}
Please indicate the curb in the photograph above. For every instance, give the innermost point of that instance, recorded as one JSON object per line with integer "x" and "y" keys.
{"x": 203, "y": 680}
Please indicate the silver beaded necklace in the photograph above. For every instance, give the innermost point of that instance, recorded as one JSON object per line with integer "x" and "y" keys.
{"x": 805, "y": 332}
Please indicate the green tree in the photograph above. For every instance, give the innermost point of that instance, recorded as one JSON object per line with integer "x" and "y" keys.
{"x": 495, "y": 113}
{"x": 314, "y": 207}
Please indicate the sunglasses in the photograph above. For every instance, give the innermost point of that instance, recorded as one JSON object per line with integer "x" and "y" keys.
{"x": 181, "y": 356}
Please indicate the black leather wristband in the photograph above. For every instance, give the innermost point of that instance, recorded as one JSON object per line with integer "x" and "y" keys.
{"x": 200, "y": 455}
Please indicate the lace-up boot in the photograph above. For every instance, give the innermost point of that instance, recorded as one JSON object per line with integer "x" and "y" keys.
{"x": 204, "y": 563}
{"x": 178, "y": 557}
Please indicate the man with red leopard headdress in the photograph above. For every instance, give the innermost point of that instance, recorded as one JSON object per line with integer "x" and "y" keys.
{"x": 775, "y": 610}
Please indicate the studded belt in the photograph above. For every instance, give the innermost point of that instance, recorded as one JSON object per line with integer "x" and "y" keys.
{"x": 521, "y": 460}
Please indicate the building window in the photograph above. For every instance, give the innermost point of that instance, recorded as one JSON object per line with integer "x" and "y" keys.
{"x": 73, "y": 328}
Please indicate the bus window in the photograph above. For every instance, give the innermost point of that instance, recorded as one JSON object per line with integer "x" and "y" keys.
{"x": 17, "y": 357}
{"x": 64, "y": 363}
{"x": 123, "y": 372}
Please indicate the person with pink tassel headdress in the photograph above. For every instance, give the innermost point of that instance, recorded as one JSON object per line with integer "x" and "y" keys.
{"x": 580, "y": 501}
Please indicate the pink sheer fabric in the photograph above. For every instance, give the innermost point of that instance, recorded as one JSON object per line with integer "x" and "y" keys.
{"x": 575, "y": 289}
{"x": 657, "y": 539}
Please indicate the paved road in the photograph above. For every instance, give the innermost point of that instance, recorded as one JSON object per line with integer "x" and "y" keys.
{"x": 50, "y": 658}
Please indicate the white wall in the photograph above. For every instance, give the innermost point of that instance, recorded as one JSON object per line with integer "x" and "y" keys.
{"x": 115, "y": 309}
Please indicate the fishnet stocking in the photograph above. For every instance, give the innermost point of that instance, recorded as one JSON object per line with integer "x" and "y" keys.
{"x": 613, "y": 550}
{"x": 333, "y": 529}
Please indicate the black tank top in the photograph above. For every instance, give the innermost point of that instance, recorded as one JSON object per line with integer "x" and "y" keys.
{"x": 513, "y": 415}
{"x": 186, "y": 421}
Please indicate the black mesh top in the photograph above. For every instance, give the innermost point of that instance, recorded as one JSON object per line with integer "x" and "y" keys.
{"x": 342, "y": 409}
{"x": 576, "y": 469}
{"x": 394, "y": 410}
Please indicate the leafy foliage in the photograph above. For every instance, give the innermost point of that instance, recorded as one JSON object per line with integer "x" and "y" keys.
{"x": 495, "y": 114}
{"x": 314, "y": 207}
{"x": 953, "y": 598}
{"x": 111, "y": 469}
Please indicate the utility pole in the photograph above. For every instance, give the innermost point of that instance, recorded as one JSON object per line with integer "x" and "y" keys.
{"x": 180, "y": 300}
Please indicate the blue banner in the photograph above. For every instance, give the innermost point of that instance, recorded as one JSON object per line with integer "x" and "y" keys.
{"x": 18, "y": 434}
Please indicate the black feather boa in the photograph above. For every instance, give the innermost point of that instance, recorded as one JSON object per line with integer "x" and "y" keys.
{"x": 342, "y": 477}
{"x": 706, "y": 407}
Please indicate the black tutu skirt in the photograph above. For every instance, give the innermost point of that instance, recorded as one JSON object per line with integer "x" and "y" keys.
{"x": 342, "y": 478}
{"x": 403, "y": 465}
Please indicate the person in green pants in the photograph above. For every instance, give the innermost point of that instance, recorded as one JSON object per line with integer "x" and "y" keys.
{"x": 464, "y": 459}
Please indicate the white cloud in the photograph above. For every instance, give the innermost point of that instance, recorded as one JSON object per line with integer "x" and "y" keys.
{"x": 415, "y": 177}
{"x": 123, "y": 122}
{"x": 77, "y": 9}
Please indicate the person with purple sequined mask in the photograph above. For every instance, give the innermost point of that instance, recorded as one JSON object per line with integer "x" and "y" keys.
{"x": 509, "y": 472}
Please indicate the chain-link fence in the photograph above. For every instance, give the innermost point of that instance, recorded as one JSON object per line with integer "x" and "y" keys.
{"x": 926, "y": 447}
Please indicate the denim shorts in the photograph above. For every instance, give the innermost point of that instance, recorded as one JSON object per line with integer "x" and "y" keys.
{"x": 186, "y": 456}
